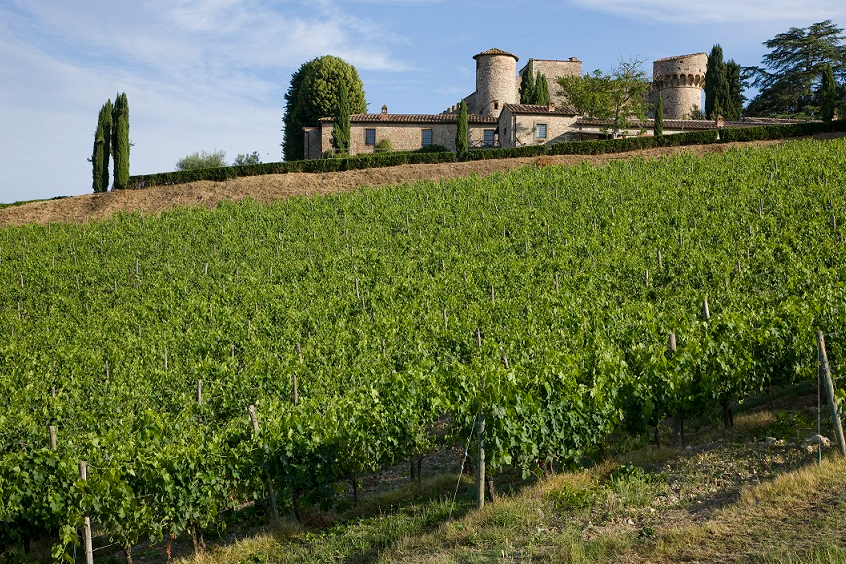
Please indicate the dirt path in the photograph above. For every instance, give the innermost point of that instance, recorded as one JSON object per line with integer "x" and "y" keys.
{"x": 272, "y": 187}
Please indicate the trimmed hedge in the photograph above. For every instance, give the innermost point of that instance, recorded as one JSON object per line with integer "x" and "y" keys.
{"x": 598, "y": 147}
{"x": 374, "y": 160}
{"x": 765, "y": 132}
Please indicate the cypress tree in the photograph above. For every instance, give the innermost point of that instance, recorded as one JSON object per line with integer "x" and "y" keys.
{"x": 658, "y": 122}
{"x": 341, "y": 127}
{"x": 527, "y": 85}
{"x": 120, "y": 141}
{"x": 828, "y": 94}
{"x": 716, "y": 88}
{"x": 461, "y": 140}
{"x": 102, "y": 145}
{"x": 734, "y": 103}
{"x": 541, "y": 91}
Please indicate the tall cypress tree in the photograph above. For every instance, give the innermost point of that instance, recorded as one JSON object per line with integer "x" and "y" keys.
{"x": 462, "y": 143}
{"x": 341, "y": 127}
{"x": 541, "y": 97}
{"x": 102, "y": 148}
{"x": 734, "y": 102}
{"x": 716, "y": 87}
{"x": 120, "y": 141}
{"x": 527, "y": 85}
{"x": 658, "y": 122}
{"x": 828, "y": 93}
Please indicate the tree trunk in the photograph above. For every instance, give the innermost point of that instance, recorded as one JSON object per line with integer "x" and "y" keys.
{"x": 656, "y": 437}
{"x": 678, "y": 431}
{"x": 295, "y": 505}
{"x": 489, "y": 488}
{"x": 127, "y": 551}
{"x": 728, "y": 414}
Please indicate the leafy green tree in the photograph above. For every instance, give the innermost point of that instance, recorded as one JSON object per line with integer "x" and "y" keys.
{"x": 341, "y": 127}
{"x": 619, "y": 96}
{"x": 827, "y": 94}
{"x": 527, "y": 85}
{"x": 205, "y": 160}
{"x": 120, "y": 141}
{"x": 541, "y": 97}
{"x": 102, "y": 145}
{"x": 790, "y": 73}
{"x": 313, "y": 94}
{"x": 658, "y": 122}
{"x": 462, "y": 142}
{"x": 247, "y": 159}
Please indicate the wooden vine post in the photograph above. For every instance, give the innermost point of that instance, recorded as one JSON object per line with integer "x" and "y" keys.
{"x": 271, "y": 495}
{"x": 86, "y": 528}
{"x": 480, "y": 436}
{"x": 828, "y": 387}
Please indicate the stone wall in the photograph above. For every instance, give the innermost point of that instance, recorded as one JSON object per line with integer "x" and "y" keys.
{"x": 553, "y": 70}
{"x": 403, "y": 136}
{"x": 519, "y": 130}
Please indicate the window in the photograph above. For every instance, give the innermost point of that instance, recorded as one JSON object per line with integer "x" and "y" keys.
{"x": 426, "y": 138}
{"x": 489, "y": 138}
{"x": 370, "y": 137}
{"x": 540, "y": 131}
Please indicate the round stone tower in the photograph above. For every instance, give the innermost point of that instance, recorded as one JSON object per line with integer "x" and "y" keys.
{"x": 496, "y": 82}
{"x": 679, "y": 81}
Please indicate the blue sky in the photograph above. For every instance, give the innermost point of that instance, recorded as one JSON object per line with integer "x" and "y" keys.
{"x": 211, "y": 74}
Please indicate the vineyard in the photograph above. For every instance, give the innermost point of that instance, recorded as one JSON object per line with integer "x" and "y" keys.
{"x": 356, "y": 324}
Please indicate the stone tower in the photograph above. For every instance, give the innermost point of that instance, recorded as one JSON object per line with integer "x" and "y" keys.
{"x": 496, "y": 80}
{"x": 679, "y": 82}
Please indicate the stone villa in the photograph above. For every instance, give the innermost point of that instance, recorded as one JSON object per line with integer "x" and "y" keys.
{"x": 497, "y": 119}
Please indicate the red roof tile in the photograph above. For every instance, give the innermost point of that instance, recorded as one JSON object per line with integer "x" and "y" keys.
{"x": 414, "y": 118}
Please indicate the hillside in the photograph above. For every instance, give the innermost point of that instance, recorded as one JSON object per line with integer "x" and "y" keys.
{"x": 201, "y": 361}
{"x": 268, "y": 188}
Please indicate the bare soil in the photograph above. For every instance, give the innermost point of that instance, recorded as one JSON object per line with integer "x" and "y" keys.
{"x": 272, "y": 187}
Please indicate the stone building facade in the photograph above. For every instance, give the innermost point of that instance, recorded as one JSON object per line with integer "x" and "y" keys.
{"x": 497, "y": 119}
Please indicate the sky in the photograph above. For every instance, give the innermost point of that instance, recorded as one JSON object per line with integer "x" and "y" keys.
{"x": 208, "y": 75}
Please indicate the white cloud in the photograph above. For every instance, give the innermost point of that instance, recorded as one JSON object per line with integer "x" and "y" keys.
{"x": 724, "y": 11}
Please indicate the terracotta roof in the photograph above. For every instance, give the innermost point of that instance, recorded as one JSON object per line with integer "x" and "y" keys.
{"x": 414, "y": 118}
{"x": 496, "y": 51}
{"x": 566, "y": 109}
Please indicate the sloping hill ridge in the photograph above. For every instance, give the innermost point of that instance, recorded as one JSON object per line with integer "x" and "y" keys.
{"x": 92, "y": 207}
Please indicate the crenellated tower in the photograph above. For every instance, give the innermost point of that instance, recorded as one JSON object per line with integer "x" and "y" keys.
{"x": 679, "y": 82}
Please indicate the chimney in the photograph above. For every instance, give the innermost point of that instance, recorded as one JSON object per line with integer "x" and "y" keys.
{"x": 719, "y": 122}
{"x": 550, "y": 107}
{"x": 384, "y": 112}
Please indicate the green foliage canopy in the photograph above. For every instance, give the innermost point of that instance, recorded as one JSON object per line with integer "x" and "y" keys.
{"x": 313, "y": 94}
{"x": 341, "y": 127}
{"x": 527, "y": 85}
{"x": 618, "y": 96}
{"x": 790, "y": 73}
{"x": 196, "y": 160}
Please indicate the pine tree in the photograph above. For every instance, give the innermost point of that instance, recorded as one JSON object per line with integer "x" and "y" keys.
{"x": 541, "y": 97}
{"x": 658, "y": 122}
{"x": 527, "y": 85}
{"x": 120, "y": 141}
{"x": 828, "y": 94}
{"x": 461, "y": 140}
{"x": 341, "y": 127}
{"x": 102, "y": 148}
